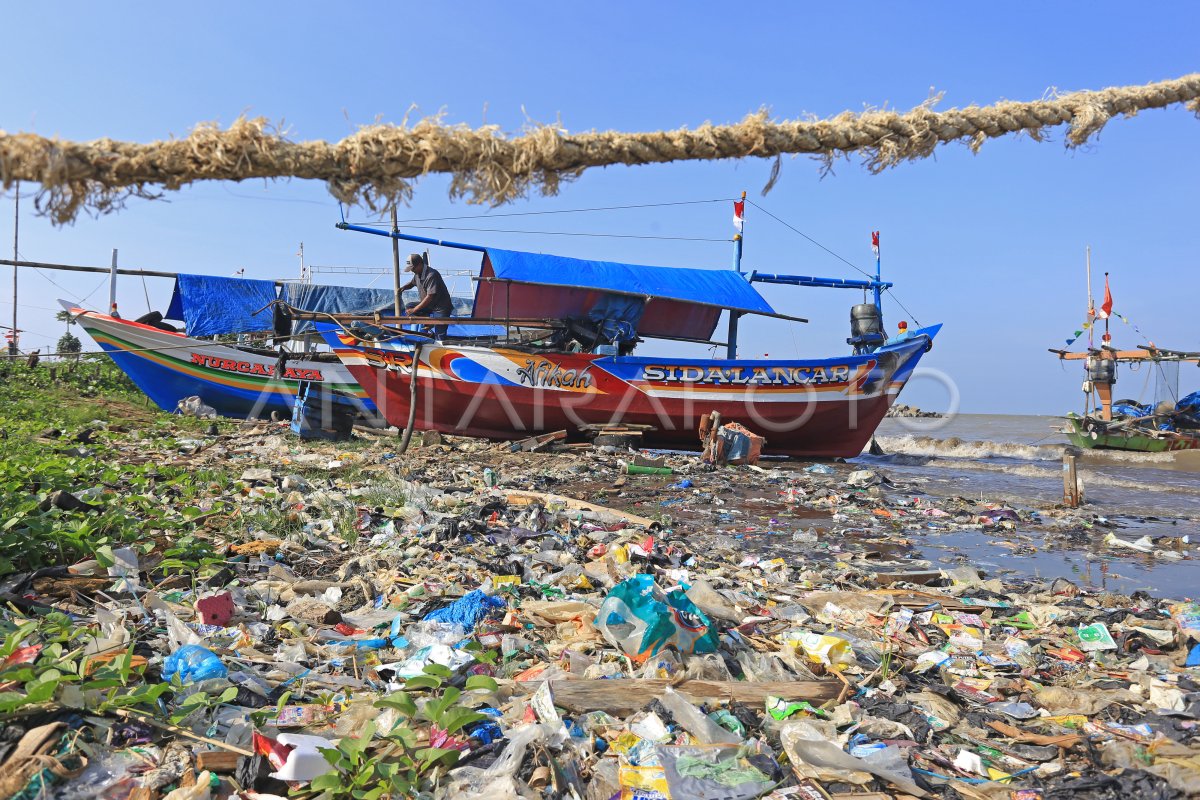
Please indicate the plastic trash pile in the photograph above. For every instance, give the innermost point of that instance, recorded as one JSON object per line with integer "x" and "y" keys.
{"x": 556, "y": 628}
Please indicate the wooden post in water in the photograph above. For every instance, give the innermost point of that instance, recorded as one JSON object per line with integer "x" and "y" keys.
{"x": 1072, "y": 490}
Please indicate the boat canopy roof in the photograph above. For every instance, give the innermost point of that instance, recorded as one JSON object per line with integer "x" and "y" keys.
{"x": 679, "y": 302}
{"x": 210, "y": 305}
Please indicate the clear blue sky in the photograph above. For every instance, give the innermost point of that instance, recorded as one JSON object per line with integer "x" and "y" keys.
{"x": 992, "y": 245}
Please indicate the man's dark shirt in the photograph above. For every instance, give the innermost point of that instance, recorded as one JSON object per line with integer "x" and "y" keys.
{"x": 431, "y": 283}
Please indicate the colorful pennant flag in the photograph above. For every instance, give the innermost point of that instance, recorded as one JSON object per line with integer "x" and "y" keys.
{"x": 739, "y": 214}
{"x": 875, "y": 243}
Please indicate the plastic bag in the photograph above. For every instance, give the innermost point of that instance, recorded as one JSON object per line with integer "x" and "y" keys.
{"x": 195, "y": 407}
{"x": 694, "y": 721}
{"x": 640, "y": 619}
{"x": 713, "y": 773}
{"x": 497, "y": 782}
{"x": 708, "y": 667}
{"x": 713, "y": 603}
{"x": 806, "y": 746}
{"x": 193, "y": 663}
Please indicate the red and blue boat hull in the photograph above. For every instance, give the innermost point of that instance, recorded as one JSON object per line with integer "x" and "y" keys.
{"x": 804, "y": 408}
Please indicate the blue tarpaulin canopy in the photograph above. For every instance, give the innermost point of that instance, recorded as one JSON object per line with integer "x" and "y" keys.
{"x": 352, "y": 300}
{"x": 685, "y": 303}
{"x": 210, "y": 305}
{"x": 336, "y": 300}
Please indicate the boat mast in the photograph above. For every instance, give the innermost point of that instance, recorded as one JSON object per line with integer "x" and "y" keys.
{"x": 1091, "y": 310}
{"x": 731, "y": 347}
{"x": 396, "y": 262}
{"x": 878, "y": 284}
{"x": 112, "y": 287}
{"x": 12, "y": 347}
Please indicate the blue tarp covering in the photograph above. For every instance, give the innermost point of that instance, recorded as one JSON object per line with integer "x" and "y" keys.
{"x": 337, "y": 300}
{"x": 722, "y": 287}
{"x": 685, "y": 302}
{"x": 1131, "y": 410}
{"x": 617, "y": 317}
{"x": 351, "y": 300}
{"x": 211, "y": 305}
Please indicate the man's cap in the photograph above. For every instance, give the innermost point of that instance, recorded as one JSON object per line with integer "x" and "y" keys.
{"x": 413, "y": 259}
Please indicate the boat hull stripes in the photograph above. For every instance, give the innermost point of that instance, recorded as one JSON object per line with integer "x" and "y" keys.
{"x": 815, "y": 408}
{"x": 169, "y": 367}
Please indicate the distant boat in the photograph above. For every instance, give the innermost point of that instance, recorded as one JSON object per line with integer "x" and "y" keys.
{"x": 578, "y": 373}
{"x": 1126, "y": 424}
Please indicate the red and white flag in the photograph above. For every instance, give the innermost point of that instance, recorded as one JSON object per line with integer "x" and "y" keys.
{"x": 739, "y": 214}
{"x": 875, "y": 243}
{"x": 1107, "y": 305}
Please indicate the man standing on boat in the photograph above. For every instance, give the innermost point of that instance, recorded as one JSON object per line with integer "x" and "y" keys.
{"x": 435, "y": 297}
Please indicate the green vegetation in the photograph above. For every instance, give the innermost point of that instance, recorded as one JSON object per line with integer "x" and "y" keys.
{"x": 404, "y": 766}
{"x": 90, "y": 467}
{"x": 58, "y": 438}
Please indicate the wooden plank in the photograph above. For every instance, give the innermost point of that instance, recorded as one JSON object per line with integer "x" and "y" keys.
{"x": 622, "y": 696}
{"x": 524, "y": 498}
{"x": 217, "y": 761}
{"x": 536, "y": 443}
{"x": 913, "y": 599}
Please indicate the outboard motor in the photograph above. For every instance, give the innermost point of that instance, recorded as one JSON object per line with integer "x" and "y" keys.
{"x": 866, "y": 327}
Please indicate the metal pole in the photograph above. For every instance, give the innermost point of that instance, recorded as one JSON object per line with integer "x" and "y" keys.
{"x": 12, "y": 347}
{"x": 731, "y": 347}
{"x": 147, "y": 273}
{"x": 112, "y": 287}
{"x": 1091, "y": 303}
{"x": 878, "y": 289}
{"x": 396, "y": 260}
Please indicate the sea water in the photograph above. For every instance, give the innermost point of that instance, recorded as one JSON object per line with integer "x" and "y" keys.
{"x": 1018, "y": 459}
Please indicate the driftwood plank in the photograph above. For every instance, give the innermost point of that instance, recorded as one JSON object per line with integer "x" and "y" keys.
{"x": 622, "y": 696}
{"x": 520, "y": 497}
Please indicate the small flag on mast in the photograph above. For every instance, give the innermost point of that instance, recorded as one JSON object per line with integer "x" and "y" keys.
{"x": 875, "y": 243}
{"x": 739, "y": 214}
{"x": 1107, "y": 306}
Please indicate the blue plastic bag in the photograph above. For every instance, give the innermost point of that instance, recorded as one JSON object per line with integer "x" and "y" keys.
{"x": 640, "y": 619}
{"x": 193, "y": 663}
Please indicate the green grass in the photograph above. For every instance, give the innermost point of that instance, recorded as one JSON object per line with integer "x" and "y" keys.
{"x": 131, "y": 499}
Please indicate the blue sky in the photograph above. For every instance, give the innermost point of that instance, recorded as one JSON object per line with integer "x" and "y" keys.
{"x": 990, "y": 244}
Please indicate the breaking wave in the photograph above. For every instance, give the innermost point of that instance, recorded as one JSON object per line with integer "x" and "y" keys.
{"x": 954, "y": 447}
{"x": 1053, "y": 474}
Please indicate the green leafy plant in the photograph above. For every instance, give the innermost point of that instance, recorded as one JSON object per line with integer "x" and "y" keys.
{"x": 404, "y": 764}
{"x": 49, "y": 667}
{"x": 201, "y": 704}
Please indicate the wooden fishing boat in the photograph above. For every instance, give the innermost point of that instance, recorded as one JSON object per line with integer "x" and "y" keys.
{"x": 1127, "y": 424}
{"x": 581, "y": 373}
{"x": 236, "y": 381}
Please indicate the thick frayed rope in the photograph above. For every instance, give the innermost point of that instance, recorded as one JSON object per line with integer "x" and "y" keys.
{"x": 377, "y": 165}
